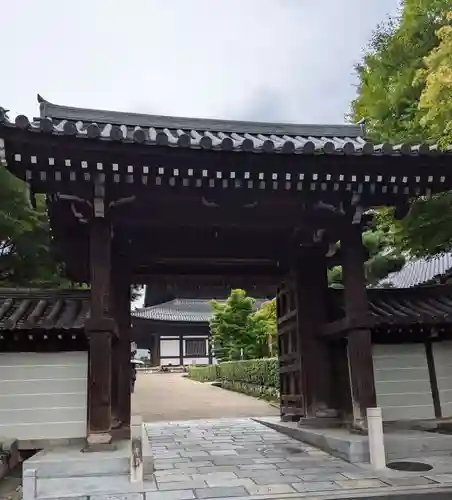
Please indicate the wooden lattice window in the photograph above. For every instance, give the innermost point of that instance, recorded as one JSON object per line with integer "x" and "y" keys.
{"x": 195, "y": 347}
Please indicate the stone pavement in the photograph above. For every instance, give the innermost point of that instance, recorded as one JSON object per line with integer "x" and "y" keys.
{"x": 170, "y": 396}
{"x": 229, "y": 458}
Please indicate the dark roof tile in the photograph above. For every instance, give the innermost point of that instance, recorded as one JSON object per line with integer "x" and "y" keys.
{"x": 419, "y": 272}
{"x": 181, "y": 310}
{"x": 29, "y": 309}
{"x": 197, "y": 133}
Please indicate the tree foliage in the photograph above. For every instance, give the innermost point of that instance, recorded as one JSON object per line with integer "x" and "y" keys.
{"x": 389, "y": 88}
{"x": 263, "y": 322}
{"x": 25, "y": 256}
{"x": 405, "y": 95}
{"x": 236, "y": 330}
{"x": 383, "y": 256}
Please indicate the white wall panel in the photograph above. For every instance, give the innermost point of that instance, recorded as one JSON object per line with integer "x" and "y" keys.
{"x": 402, "y": 382}
{"x": 43, "y": 395}
{"x": 169, "y": 348}
{"x": 170, "y": 361}
{"x": 196, "y": 361}
{"x": 442, "y": 355}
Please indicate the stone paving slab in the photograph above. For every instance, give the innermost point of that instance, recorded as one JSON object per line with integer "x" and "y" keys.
{"x": 258, "y": 462}
{"x": 274, "y": 467}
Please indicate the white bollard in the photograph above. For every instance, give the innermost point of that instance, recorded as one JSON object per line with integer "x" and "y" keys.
{"x": 376, "y": 441}
{"x": 136, "y": 457}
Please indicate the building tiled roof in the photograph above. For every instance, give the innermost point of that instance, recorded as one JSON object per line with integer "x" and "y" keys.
{"x": 423, "y": 305}
{"x": 182, "y": 310}
{"x": 29, "y": 309}
{"x": 207, "y": 134}
{"x": 395, "y": 308}
{"x": 419, "y": 272}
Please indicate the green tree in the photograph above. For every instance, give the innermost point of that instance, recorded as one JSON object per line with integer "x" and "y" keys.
{"x": 235, "y": 331}
{"x": 389, "y": 88}
{"x": 405, "y": 95}
{"x": 435, "y": 102}
{"x": 264, "y": 324}
{"x": 25, "y": 256}
{"x": 383, "y": 256}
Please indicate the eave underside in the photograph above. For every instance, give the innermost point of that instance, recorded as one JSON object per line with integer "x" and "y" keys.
{"x": 179, "y": 211}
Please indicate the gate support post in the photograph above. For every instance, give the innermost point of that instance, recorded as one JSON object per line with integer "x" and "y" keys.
{"x": 311, "y": 289}
{"x": 359, "y": 347}
{"x": 121, "y": 375}
{"x": 100, "y": 328}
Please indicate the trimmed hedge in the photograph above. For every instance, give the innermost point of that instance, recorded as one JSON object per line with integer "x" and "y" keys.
{"x": 206, "y": 373}
{"x": 256, "y": 377}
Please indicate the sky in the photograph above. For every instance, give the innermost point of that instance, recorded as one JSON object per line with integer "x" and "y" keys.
{"x": 262, "y": 60}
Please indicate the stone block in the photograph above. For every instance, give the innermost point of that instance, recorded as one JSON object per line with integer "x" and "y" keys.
{"x": 322, "y": 477}
{"x": 29, "y": 486}
{"x": 126, "y": 496}
{"x": 280, "y": 480}
{"x": 170, "y": 495}
{"x": 215, "y": 476}
{"x": 218, "y": 468}
{"x": 194, "y": 454}
{"x": 182, "y": 485}
{"x": 320, "y": 486}
{"x": 260, "y": 473}
{"x": 245, "y": 482}
{"x": 255, "y": 466}
{"x": 222, "y": 453}
{"x": 353, "y": 484}
{"x": 409, "y": 481}
{"x": 220, "y": 492}
{"x": 270, "y": 489}
{"x": 232, "y": 461}
{"x": 173, "y": 478}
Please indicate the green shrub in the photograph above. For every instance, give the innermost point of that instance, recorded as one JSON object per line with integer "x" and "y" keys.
{"x": 206, "y": 373}
{"x": 255, "y": 377}
{"x": 261, "y": 372}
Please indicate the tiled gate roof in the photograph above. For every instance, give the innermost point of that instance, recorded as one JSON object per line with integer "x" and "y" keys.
{"x": 420, "y": 271}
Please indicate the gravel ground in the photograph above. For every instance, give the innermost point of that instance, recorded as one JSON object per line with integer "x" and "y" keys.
{"x": 171, "y": 396}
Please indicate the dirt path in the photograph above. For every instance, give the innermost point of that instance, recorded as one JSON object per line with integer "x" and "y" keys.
{"x": 170, "y": 396}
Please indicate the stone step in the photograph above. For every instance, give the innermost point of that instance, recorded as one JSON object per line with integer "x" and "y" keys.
{"x": 71, "y": 461}
{"x": 399, "y": 444}
{"x": 50, "y": 488}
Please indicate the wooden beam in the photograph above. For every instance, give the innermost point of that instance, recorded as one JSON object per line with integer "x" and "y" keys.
{"x": 359, "y": 346}
{"x": 341, "y": 327}
{"x": 100, "y": 329}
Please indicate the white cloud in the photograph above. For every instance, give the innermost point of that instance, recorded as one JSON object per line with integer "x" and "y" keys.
{"x": 285, "y": 60}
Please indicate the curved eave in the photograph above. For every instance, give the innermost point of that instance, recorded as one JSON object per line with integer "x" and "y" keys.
{"x": 205, "y": 135}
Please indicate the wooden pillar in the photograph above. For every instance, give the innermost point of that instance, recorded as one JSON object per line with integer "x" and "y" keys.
{"x": 124, "y": 369}
{"x": 181, "y": 350}
{"x": 359, "y": 346}
{"x": 100, "y": 329}
{"x": 311, "y": 286}
{"x": 121, "y": 373}
{"x": 155, "y": 349}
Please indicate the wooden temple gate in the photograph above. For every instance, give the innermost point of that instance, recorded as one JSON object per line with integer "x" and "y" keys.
{"x": 209, "y": 203}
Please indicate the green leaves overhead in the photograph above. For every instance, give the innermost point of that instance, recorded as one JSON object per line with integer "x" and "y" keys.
{"x": 405, "y": 95}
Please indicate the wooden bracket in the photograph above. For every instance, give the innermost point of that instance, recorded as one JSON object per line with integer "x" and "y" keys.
{"x": 99, "y": 197}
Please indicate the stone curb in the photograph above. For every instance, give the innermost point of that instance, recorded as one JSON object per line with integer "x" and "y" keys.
{"x": 389, "y": 493}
